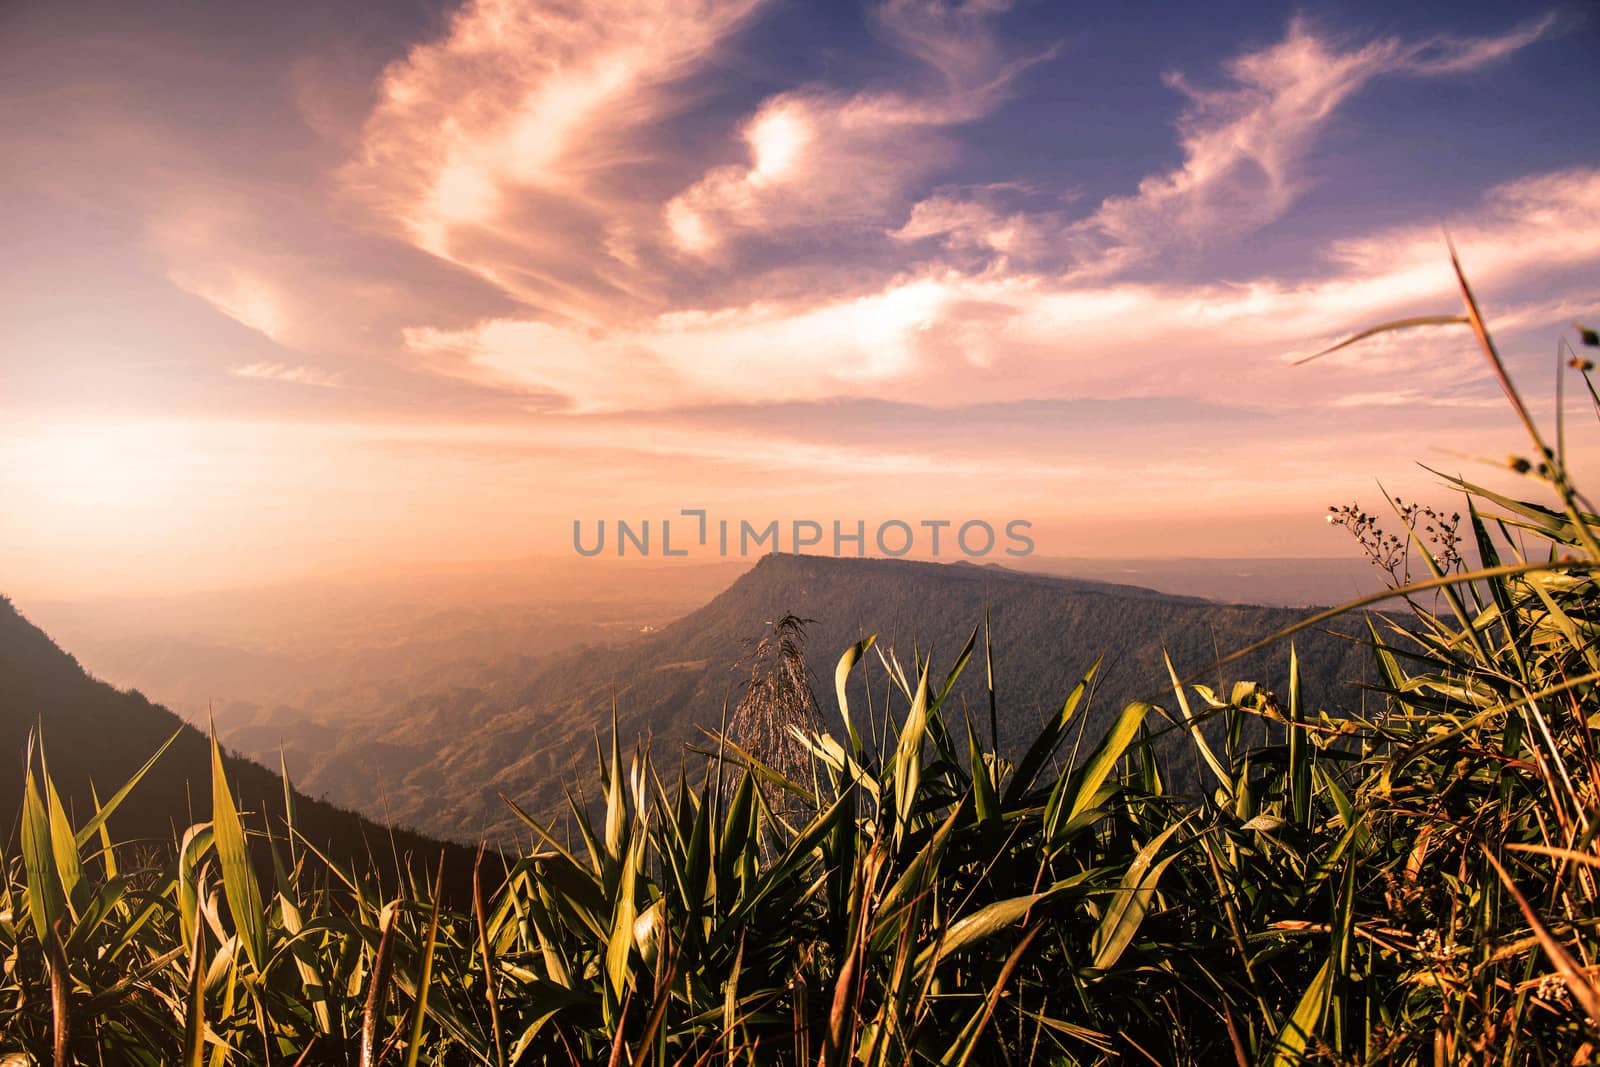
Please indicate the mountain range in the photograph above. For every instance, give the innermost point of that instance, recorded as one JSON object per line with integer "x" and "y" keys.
{"x": 526, "y": 729}
{"x": 438, "y": 752}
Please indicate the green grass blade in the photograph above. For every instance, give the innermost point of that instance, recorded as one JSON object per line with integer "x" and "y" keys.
{"x": 908, "y": 758}
{"x": 1128, "y": 905}
{"x": 992, "y": 918}
{"x": 46, "y": 900}
{"x": 1289, "y": 1050}
{"x": 1104, "y": 760}
{"x": 1201, "y": 745}
{"x": 425, "y": 978}
{"x": 64, "y": 845}
{"x": 104, "y": 811}
{"x": 1044, "y": 745}
{"x": 233, "y": 854}
{"x": 841, "y": 675}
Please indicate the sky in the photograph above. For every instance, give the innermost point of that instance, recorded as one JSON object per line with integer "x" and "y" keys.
{"x": 305, "y": 289}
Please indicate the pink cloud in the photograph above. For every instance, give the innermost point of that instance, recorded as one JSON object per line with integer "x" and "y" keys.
{"x": 523, "y": 109}
{"x": 821, "y": 159}
{"x": 963, "y": 224}
{"x": 948, "y": 337}
{"x": 1243, "y": 143}
{"x": 498, "y": 147}
{"x": 290, "y": 374}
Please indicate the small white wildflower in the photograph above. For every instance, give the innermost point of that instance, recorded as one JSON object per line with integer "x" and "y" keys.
{"x": 1553, "y": 989}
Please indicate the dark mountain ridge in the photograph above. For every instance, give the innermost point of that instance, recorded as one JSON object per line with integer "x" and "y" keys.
{"x": 97, "y": 736}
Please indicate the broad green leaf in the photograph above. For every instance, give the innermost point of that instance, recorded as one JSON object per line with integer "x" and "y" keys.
{"x": 923, "y": 869}
{"x": 1301, "y": 752}
{"x": 1126, "y": 911}
{"x": 616, "y": 806}
{"x": 625, "y": 911}
{"x": 425, "y": 980}
{"x": 1346, "y": 810}
{"x": 908, "y": 758}
{"x": 993, "y": 918}
{"x": 1199, "y": 739}
{"x": 108, "y": 852}
{"x": 1044, "y": 745}
{"x": 191, "y": 853}
{"x": 984, "y": 800}
{"x": 233, "y": 854}
{"x": 64, "y": 843}
{"x": 46, "y": 901}
{"x": 1104, "y": 760}
{"x": 799, "y": 850}
{"x": 697, "y": 859}
{"x": 841, "y": 675}
{"x": 96, "y": 910}
{"x": 1290, "y": 1047}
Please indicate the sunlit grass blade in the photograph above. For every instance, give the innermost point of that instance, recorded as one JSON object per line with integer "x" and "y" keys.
{"x": 1289, "y": 1050}
{"x": 1387, "y": 327}
{"x": 1049, "y": 738}
{"x": 238, "y": 875}
{"x": 378, "y": 988}
{"x": 1125, "y": 911}
{"x": 105, "y": 811}
{"x": 47, "y": 903}
{"x": 419, "y": 1017}
{"x": 1085, "y": 795}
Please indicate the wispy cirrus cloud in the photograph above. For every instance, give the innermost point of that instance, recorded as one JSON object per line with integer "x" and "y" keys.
{"x": 1244, "y": 143}
{"x": 962, "y": 223}
{"x": 248, "y": 299}
{"x": 528, "y": 146}
{"x": 820, "y": 158}
{"x": 290, "y": 374}
{"x": 493, "y": 146}
{"x": 948, "y": 337}
{"x": 294, "y": 271}
{"x": 996, "y": 315}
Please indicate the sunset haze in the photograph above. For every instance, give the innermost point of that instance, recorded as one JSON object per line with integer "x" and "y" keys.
{"x": 297, "y": 291}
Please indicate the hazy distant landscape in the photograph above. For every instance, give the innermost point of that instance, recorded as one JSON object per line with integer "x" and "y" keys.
{"x": 368, "y": 691}
{"x": 365, "y": 642}
{"x": 389, "y": 698}
{"x": 328, "y": 647}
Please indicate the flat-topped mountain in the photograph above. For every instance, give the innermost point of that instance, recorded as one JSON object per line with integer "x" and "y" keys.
{"x": 441, "y": 761}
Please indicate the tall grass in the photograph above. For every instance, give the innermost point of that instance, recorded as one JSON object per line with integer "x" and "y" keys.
{"x": 1417, "y": 886}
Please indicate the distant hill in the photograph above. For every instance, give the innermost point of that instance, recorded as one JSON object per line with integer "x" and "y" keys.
{"x": 443, "y": 759}
{"x": 1278, "y": 582}
{"x": 368, "y": 644}
{"x": 95, "y": 734}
